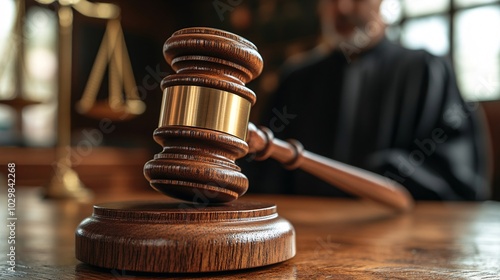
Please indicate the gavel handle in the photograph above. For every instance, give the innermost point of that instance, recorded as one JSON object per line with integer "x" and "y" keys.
{"x": 351, "y": 179}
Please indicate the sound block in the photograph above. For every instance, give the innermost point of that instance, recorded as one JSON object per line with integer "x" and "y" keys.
{"x": 184, "y": 237}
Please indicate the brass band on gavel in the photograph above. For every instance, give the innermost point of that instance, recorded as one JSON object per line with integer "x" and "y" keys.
{"x": 204, "y": 107}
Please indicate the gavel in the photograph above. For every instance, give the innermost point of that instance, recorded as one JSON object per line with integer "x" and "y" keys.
{"x": 204, "y": 127}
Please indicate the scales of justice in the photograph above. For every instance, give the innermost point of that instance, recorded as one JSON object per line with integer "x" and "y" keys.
{"x": 122, "y": 104}
{"x": 203, "y": 128}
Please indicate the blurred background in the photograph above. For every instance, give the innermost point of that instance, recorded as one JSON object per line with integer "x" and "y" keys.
{"x": 110, "y": 145}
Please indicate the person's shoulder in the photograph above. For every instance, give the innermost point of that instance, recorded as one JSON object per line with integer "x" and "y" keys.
{"x": 403, "y": 54}
{"x": 400, "y": 58}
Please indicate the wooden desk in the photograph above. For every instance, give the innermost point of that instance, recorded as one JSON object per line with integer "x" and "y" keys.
{"x": 336, "y": 239}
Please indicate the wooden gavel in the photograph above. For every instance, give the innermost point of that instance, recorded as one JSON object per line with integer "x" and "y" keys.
{"x": 204, "y": 127}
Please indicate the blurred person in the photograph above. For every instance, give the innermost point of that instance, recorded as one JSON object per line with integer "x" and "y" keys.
{"x": 370, "y": 103}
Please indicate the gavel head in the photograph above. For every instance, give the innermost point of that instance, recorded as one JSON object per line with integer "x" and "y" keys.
{"x": 204, "y": 116}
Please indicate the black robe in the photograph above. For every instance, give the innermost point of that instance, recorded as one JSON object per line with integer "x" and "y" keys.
{"x": 393, "y": 111}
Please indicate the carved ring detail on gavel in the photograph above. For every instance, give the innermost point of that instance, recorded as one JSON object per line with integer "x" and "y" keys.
{"x": 204, "y": 127}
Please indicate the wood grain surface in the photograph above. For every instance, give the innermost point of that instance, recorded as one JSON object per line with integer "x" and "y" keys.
{"x": 336, "y": 239}
{"x": 162, "y": 236}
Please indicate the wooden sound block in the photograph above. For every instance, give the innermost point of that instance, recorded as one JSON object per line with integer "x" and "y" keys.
{"x": 184, "y": 237}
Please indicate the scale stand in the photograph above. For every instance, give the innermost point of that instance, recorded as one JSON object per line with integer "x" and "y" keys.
{"x": 65, "y": 182}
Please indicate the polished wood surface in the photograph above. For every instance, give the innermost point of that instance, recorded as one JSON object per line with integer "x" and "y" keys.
{"x": 336, "y": 239}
